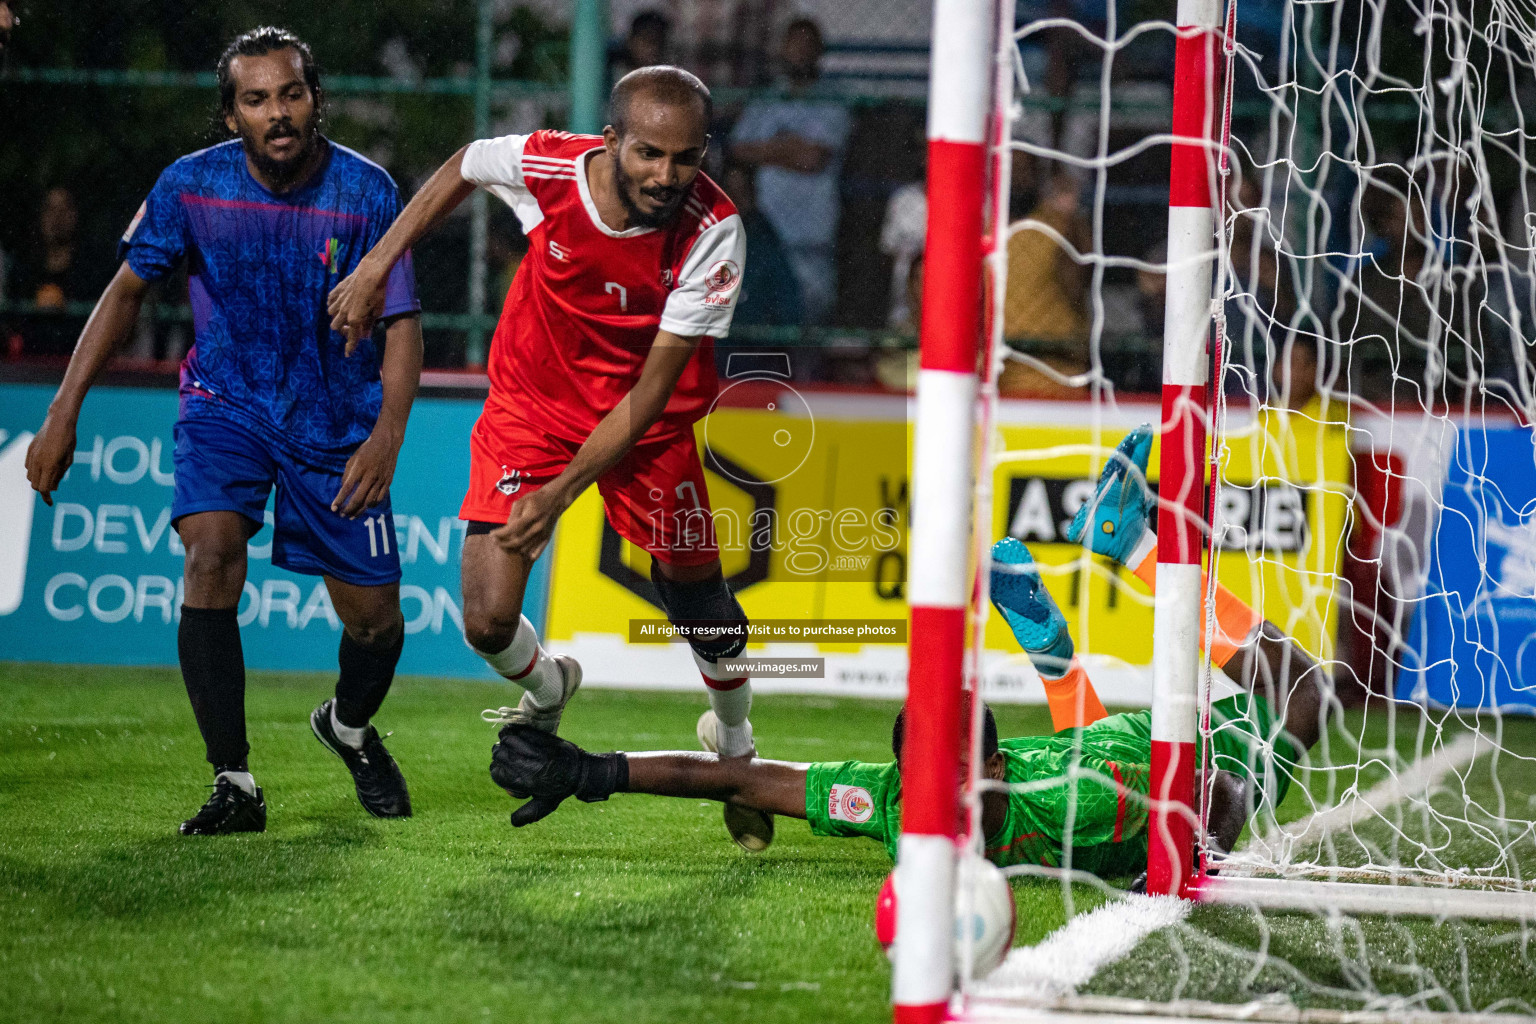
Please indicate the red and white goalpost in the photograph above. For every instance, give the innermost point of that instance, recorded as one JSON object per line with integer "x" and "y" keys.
{"x": 943, "y": 563}
{"x": 1201, "y": 101}
{"x": 1186, "y": 408}
{"x": 943, "y": 479}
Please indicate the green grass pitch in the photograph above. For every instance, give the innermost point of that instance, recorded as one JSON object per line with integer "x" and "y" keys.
{"x": 638, "y": 909}
{"x": 634, "y": 910}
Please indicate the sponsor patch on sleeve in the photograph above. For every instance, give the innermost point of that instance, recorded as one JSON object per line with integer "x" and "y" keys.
{"x": 133, "y": 225}
{"x": 722, "y": 280}
{"x": 850, "y": 803}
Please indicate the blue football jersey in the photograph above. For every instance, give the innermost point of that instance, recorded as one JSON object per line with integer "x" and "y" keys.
{"x": 260, "y": 268}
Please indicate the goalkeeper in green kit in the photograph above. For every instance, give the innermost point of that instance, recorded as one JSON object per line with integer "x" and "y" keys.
{"x": 1085, "y": 786}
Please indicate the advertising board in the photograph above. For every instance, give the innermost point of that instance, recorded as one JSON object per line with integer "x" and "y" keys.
{"x": 97, "y": 578}
{"x": 1473, "y": 641}
{"x": 842, "y": 514}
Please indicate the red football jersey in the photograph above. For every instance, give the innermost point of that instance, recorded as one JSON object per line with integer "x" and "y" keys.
{"x": 587, "y": 301}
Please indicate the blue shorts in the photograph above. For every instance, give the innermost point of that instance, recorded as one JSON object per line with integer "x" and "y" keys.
{"x": 222, "y": 466}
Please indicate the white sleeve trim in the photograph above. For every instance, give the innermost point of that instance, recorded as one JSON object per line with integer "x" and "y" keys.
{"x": 704, "y": 300}
{"x": 497, "y": 166}
{"x": 495, "y": 161}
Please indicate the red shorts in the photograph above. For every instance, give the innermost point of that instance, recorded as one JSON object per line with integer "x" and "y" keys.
{"x": 655, "y": 496}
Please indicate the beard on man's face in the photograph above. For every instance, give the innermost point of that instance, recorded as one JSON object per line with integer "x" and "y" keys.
{"x": 281, "y": 171}
{"x": 670, "y": 199}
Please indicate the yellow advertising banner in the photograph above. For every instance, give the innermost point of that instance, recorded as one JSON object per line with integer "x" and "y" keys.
{"x": 818, "y": 537}
{"x": 812, "y": 514}
{"x": 1283, "y": 505}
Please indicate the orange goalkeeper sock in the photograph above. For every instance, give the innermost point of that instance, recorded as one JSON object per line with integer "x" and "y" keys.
{"x": 1147, "y": 570}
{"x": 1235, "y": 619}
{"x": 1072, "y": 699}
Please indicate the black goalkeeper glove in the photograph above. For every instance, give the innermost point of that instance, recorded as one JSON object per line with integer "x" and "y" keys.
{"x": 528, "y": 762}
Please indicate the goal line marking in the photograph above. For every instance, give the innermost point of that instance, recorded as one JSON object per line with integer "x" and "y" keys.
{"x": 1073, "y": 953}
{"x": 1117, "y": 1010}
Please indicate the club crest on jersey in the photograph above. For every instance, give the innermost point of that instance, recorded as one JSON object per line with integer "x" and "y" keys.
{"x": 511, "y": 481}
{"x": 666, "y": 277}
{"x": 329, "y": 253}
{"x": 722, "y": 280}
{"x": 850, "y": 803}
{"x": 559, "y": 251}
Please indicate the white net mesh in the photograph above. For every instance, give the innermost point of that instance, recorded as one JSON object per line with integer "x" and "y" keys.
{"x": 1375, "y": 498}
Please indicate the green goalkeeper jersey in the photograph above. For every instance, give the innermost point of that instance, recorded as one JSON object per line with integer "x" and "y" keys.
{"x": 1085, "y": 791}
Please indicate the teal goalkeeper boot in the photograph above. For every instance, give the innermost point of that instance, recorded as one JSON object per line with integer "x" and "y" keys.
{"x": 1121, "y": 502}
{"x": 1028, "y": 608}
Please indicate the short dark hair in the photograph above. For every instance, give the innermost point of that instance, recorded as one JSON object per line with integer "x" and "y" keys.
{"x": 256, "y": 43}
{"x": 988, "y": 733}
{"x": 664, "y": 82}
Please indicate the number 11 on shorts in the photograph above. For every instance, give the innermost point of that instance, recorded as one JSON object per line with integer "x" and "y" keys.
{"x": 383, "y": 537}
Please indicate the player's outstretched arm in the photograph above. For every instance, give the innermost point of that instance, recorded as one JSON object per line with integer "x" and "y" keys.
{"x": 371, "y": 468}
{"x": 529, "y": 763}
{"x": 357, "y": 302}
{"x": 532, "y": 520}
{"x": 53, "y": 449}
{"x": 774, "y": 786}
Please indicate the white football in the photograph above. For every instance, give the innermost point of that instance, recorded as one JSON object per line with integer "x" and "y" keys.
{"x": 984, "y": 915}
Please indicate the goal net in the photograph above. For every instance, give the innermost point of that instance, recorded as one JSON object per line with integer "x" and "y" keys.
{"x": 1316, "y": 286}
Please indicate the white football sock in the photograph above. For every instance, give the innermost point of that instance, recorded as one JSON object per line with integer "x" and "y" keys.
{"x": 733, "y": 733}
{"x": 245, "y": 780}
{"x": 733, "y": 740}
{"x": 529, "y": 666}
{"x": 352, "y": 737}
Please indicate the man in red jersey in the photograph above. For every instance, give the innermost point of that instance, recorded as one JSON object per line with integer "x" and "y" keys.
{"x": 600, "y": 365}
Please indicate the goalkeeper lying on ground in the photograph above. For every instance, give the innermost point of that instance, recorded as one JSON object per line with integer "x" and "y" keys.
{"x": 1253, "y": 750}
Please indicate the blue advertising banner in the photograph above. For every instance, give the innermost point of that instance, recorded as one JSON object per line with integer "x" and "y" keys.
{"x": 97, "y": 578}
{"x": 1476, "y": 627}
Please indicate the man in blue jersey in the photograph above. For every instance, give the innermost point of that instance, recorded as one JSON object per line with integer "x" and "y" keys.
{"x": 267, "y": 224}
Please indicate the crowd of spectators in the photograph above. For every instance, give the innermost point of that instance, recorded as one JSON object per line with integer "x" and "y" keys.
{"x": 794, "y": 147}
{"x": 54, "y": 272}
{"x": 831, "y": 188}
